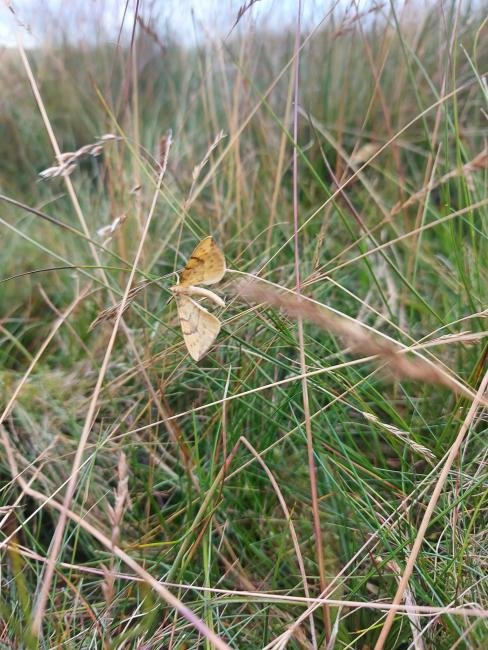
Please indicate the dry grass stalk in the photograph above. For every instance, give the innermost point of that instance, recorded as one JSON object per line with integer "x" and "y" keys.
{"x": 122, "y": 499}
{"x": 164, "y": 147}
{"x": 412, "y": 615}
{"x": 111, "y": 228}
{"x": 364, "y": 153}
{"x": 402, "y": 435}
{"x": 480, "y": 161}
{"x": 111, "y": 312}
{"x": 358, "y": 339}
{"x": 115, "y": 516}
{"x": 242, "y": 10}
{"x": 197, "y": 170}
{"x": 478, "y": 400}
{"x": 67, "y": 162}
{"x": 467, "y": 338}
{"x": 152, "y": 33}
{"x": 55, "y": 548}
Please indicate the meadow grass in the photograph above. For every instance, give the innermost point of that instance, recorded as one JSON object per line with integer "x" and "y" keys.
{"x": 334, "y": 441}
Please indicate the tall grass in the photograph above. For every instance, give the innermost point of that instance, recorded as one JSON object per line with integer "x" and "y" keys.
{"x": 192, "y": 519}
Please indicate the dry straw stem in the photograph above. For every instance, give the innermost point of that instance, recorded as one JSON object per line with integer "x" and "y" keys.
{"x": 314, "y": 496}
{"x": 404, "y": 436}
{"x": 413, "y": 615}
{"x": 73, "y": 480}
{"x": 412, "y": 558}
{"x": 424, "y": 611}
{"x": 111, "y": 312}
{"x": 164, "y": 413}
{"x": 42, "y": 597}
{"x": 81, "y": 521}
{"x": 67, "y": 162}
{"x": 293, "y": 534}
{"x": 479, "y": 162}
{"x": 57, "y": 324}
{"x": 358, "y": 340}
{"x": 115, "y": 516}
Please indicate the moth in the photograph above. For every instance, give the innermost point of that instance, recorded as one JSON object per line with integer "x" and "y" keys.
{"x": 200, "y": 328}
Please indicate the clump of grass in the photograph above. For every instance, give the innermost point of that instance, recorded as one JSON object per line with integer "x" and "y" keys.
{"x": 219, "y": 545}
{"x": 359, "y": 340}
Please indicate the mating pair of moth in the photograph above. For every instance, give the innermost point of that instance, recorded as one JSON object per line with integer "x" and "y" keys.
{"x": 200, "y": 328}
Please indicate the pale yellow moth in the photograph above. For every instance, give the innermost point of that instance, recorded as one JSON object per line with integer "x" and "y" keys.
{"x": 200, "y": 328}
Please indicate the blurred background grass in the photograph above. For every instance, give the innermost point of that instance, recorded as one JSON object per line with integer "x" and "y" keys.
{"x": 408, "y": 77}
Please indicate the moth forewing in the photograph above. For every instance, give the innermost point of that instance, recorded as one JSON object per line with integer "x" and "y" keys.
{"x": 205, "y": 266}
{"x": 199, "y": 327}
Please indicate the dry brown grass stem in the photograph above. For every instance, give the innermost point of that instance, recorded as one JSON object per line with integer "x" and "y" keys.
{"x": 152, "y": 33}
{"x": 105, "y": 541}
{"x": 312, "y": 472}
{"x": 412, "y": 558}
{"x": 409, "y": 599}
{"x": 293, "y": 534}
{"x": 111, "y": 312}
{"x": 68, "y": 161}
{"x": 479, "y": 162}
{"x": 115, "y": 516}
{"x": 197, "y": 170}
{"x": 262, "y": 596}
{"x": 404, "y": 436}
{"x": 359, "y": 341}
{"x": 73, "y": 479}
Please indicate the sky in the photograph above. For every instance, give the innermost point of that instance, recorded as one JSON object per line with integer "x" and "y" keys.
{"x": 190, "y": 20}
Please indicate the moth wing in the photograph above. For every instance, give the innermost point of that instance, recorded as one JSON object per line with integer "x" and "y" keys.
{"x": 206, "y": 264}
{"x": 199, "y": 327}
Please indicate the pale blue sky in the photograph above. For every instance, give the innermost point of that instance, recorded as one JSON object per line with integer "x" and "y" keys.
{"x": 190, "y": 19}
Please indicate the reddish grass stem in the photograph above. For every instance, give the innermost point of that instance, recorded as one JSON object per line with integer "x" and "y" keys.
{"x": 303, "y": 368}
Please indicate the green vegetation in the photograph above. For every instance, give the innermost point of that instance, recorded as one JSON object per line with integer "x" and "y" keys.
{"x": 393, "y": 111}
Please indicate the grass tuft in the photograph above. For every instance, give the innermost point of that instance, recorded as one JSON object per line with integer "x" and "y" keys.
{"x": 328, "y": 455}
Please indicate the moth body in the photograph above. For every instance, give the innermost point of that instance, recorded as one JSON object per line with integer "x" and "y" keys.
{"x": 190, "y": 290}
